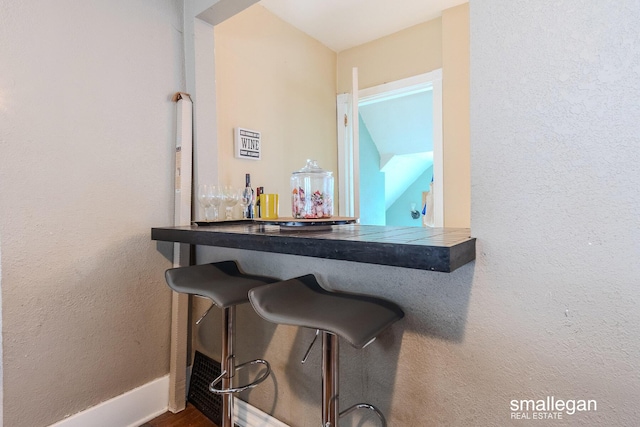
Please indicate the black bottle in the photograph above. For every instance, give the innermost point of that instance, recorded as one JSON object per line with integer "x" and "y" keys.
{"x": 247, "y": 184}
{"x": 259, "y": 191}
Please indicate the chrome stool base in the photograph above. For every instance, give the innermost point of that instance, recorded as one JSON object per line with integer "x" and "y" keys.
{"x": 301, "y": 301}
{"x": 238, "y": 389}
{"x": 383, "y": 421}
{"x": 331, "y": 413}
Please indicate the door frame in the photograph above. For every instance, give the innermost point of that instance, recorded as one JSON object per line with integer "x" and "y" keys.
{"x": 348, "y": 150}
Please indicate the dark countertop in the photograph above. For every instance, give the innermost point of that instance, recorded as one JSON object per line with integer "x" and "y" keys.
{"x": 436, "y": 249}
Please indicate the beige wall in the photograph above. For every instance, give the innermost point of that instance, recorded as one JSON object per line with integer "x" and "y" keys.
{"x": 455, "y": 116}
{"x": 415, "y": 50}
{"x": 86, "y": 143}
{"x": 273, "y": 78}
{"x": 439, "y": 43}
{"x": 290, "y": 95}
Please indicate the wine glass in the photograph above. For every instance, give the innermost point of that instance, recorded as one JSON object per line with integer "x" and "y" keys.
{"x": 204, "y": 198}
{"x": 216, "y": 200}
{"x": 246, "y": 197}
{"x": 230, "y": 199}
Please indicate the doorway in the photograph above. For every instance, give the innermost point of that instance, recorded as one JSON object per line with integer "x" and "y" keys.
{"x": 390, "y": 158}
{"x": 396, "y": 158}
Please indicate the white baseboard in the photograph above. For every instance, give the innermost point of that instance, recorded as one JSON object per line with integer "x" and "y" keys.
{"x": 146, "y": 402}
{"x": 130, "y": 409}
{"x": 249, "y": 416}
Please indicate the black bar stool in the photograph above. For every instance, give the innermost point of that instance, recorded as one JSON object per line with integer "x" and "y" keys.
{"x": 226, "y": 287}
{"x": 356, "y": 318}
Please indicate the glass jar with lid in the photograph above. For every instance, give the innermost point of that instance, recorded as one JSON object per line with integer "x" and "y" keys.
{"x": 312, "y": 192}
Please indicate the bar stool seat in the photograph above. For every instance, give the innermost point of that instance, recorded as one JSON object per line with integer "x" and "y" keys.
{"x": 303, "y": 302}
{"x": 358, "y": 319}
{"x": 226, "y": 286}
{"x": 221, "y": 282}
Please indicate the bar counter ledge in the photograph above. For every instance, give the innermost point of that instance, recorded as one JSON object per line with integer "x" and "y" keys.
{"x": 434, "y": 249}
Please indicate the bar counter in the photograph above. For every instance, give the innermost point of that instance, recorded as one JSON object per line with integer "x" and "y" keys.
{"x": 434, "y": 249}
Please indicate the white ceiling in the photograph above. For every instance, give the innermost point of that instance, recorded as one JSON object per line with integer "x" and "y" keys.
{"x": 402, "y": 125}
{"x": 342, "y": 24}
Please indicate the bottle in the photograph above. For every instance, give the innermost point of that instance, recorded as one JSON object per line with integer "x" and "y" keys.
{"x": 247, "y": 186}
{"x": 259, "y": 191}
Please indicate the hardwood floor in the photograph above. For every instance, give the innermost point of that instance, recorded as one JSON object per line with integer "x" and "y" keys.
{"x": 190, "y": 417}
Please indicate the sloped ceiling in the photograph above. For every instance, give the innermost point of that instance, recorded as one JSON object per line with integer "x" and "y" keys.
{"x": 401, "y": 171}
{"x": 402, "y": 131}
{"x": 401, "y": 125}
{"x": 340, "y": 24}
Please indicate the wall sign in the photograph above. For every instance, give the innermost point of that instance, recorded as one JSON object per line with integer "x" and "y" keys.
{"x": 247, "y": 144}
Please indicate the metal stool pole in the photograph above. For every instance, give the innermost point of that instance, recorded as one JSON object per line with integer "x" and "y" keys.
{"x": 228, "y": 365}
{"x": 330, "y": 385}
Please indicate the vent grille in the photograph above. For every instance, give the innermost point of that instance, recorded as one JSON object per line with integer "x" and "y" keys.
{"x": 204, "y": 371}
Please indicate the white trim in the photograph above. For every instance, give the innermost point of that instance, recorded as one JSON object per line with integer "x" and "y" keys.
{"x": 246, "y": 415}
{"x": 348, "y": 187}
{"x": 147, "y": 402}
{"x": 348, "y": 148}
{"x": 1, "y": 348}
{"x": 130, "y": 409}
{"x": 345, "y": 188}
{"x": 408, "y": 86}
{"x": 438, "y": 156}
{"x": 355, "y": 140}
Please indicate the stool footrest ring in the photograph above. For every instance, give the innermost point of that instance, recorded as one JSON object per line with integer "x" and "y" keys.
{"x": 365, "y": 406}
{"x": 213, "y": 389}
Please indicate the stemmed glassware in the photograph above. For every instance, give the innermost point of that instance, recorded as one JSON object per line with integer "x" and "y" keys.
{"x": 216, "y": 200}
{"x": 230, "y": 197}
{"x": 209, "y": 197}
{"x": 246, "y": 197}
{"x": 205, "y": 193}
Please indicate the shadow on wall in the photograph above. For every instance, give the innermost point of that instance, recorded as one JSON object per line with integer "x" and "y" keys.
{"x": 391, "y": 368}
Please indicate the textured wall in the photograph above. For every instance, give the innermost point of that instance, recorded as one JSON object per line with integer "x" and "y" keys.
{"x": 555, "y": 149}
{"x": 550, "y": 307}
{"x": 86, "y": 137}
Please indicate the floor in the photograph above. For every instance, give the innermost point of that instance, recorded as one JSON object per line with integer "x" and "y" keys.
{"x": 190, "y": 417}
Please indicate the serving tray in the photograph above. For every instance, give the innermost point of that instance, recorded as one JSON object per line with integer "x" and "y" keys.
{"x": 222, "y": 222}
{"x": 307, "y": 223}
